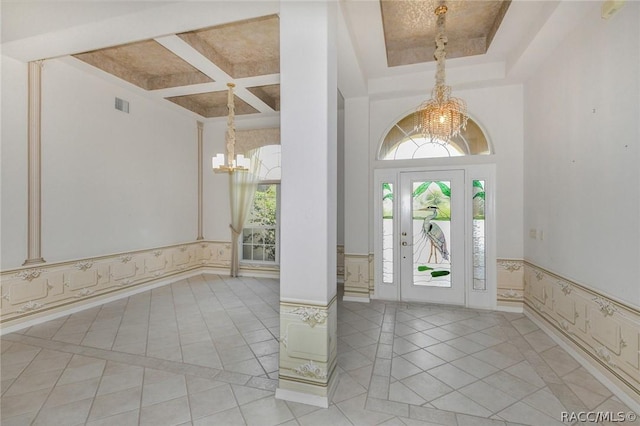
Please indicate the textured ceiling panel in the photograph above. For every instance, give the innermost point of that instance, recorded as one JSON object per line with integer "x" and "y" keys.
{"x": 270, "y": 95}
{"x": 241, "y": 49}
{"x": 147, "y": 64}
{"x": 410, "y": 28}
{"x": 212, "y": 104}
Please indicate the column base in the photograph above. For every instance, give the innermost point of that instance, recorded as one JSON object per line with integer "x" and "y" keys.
{"x": 33, "y": 261}
{"x": 359, "y": 298}
{"x": 308, "y": 352}
{"x": 309, "y": 398}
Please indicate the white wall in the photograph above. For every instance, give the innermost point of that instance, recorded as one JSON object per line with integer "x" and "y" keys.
{"x": 111, "y": 181}
{"x": 217, "y": 215}
{"x": 357, "y": 183}
{"x": 13, "y": 177}
{"x": 340, "y": 171}
{"x": 582, "y": 173}
{"x": 309, "y": 125}
{"x": 499, "y": 111}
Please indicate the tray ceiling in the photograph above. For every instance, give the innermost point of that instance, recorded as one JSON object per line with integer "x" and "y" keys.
{"x": 191, "y": 69}
{"x": 410, "y": 28}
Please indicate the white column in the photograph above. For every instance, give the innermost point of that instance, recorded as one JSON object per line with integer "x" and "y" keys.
{"x": 34, "y": 218}
{"x": 357, "y": 261}
{"x": 200, "y": 176}
{"x": 308, "y": 120}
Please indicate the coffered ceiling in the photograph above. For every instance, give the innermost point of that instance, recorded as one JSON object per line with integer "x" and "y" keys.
{"x": 190, "y": 63}
{"x": 184, "y": 53}
{"x": 238, "y": 52}
{"x": 147, "y": 64}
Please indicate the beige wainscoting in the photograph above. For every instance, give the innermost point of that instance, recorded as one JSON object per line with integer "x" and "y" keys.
{"x": 308, "y": 350}
{"x": 358, "y": 277}
{"x": 603, "y": 331}
{"x": 32, "y": 292}
{"x": 510, "y": 276}
{"x": 29, "y": 293}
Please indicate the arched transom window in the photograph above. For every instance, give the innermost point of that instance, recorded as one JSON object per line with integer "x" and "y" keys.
{"x": 404, "y": 142}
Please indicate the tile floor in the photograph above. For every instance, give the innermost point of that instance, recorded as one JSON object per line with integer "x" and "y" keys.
{"x": 204, "y": 351}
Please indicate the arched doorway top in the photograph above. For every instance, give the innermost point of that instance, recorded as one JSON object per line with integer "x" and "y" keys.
{"x": 403, "y": 142}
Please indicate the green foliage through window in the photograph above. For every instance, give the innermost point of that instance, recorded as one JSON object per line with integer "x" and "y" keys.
{"x": 260, "y": 234}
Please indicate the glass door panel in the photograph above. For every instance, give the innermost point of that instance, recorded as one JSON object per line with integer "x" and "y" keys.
{"x": 387, "y": 233}
{"x": 432, "y": 236}
{"x": 431, "y": 223}
{"x": 478, "y": 231}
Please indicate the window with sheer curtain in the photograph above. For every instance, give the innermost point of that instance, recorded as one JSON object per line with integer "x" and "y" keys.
{"x": 261, "y": 233}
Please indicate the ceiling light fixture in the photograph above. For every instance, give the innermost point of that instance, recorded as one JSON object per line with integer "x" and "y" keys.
{"x": 239, "y": 163}
{"x": 442, "y": 117}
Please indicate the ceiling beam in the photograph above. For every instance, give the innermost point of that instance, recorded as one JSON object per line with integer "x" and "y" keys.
{"x": 188, "y": 53}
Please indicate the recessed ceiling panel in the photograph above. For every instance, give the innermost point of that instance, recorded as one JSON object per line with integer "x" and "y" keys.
{"x": 410, "y": 28}
{"x": 212, "y": 104}
{"x": 241, "y": 49}
{"x": 147, "y": 64}
{"x": 269, "y": 94}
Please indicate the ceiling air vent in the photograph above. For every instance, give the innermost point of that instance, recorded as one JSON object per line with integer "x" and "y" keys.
{"x": 122, "y": 105}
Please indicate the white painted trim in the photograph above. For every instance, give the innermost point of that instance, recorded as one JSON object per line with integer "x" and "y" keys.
{"x": 294, "y": 301}
{"x": 93, "y": 304}
{"x": 633, "y": 404}
{"x": 309, "y": 399}
{"x": 384, "y": 291}
{"x": 487, "y": 172}
{"x": 258, "y": 272}
{"x": 384, "y": 172}
{"x": 303, "y": 398}
{"x": 514, "y": 309}
{"x": 224, "y": 271}
{"x": 355, "y": 299}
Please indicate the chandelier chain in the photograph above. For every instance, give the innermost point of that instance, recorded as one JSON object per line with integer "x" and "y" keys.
{"x": 442, "y": 117}
{"x": 231, "y": 127}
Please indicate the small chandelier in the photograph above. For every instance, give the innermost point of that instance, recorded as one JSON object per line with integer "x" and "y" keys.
{"x": 442, "y": 117}
{"x": 239, "y": 163}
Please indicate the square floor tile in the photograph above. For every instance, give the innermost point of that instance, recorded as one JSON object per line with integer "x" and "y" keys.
{"x": 266, "y": 412}
{"x": 426, "y": 386}
{"x": 452, "y": 375}
{"x": 488, "y": 396}
{"x": 173, "y": 412}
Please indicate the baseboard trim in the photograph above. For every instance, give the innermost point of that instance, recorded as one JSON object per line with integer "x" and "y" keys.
{"x": 309, "y": 399}
{"x": 355, "y": 299}
{"x": 64, "y": 311}
{"x": 584, "y": 362}
{"x": 512, "y": 309}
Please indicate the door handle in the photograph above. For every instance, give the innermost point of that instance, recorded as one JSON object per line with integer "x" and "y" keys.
{"x": 404, "y": 243}
{"x": 404, "y": 234}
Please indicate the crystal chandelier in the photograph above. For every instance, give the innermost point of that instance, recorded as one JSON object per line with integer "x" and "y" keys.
{"x": 442, "y": 117}
{"x": 239, "y": 163}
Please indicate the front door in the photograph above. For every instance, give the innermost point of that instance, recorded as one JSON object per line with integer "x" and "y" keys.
{"x": 432, "y": 264}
